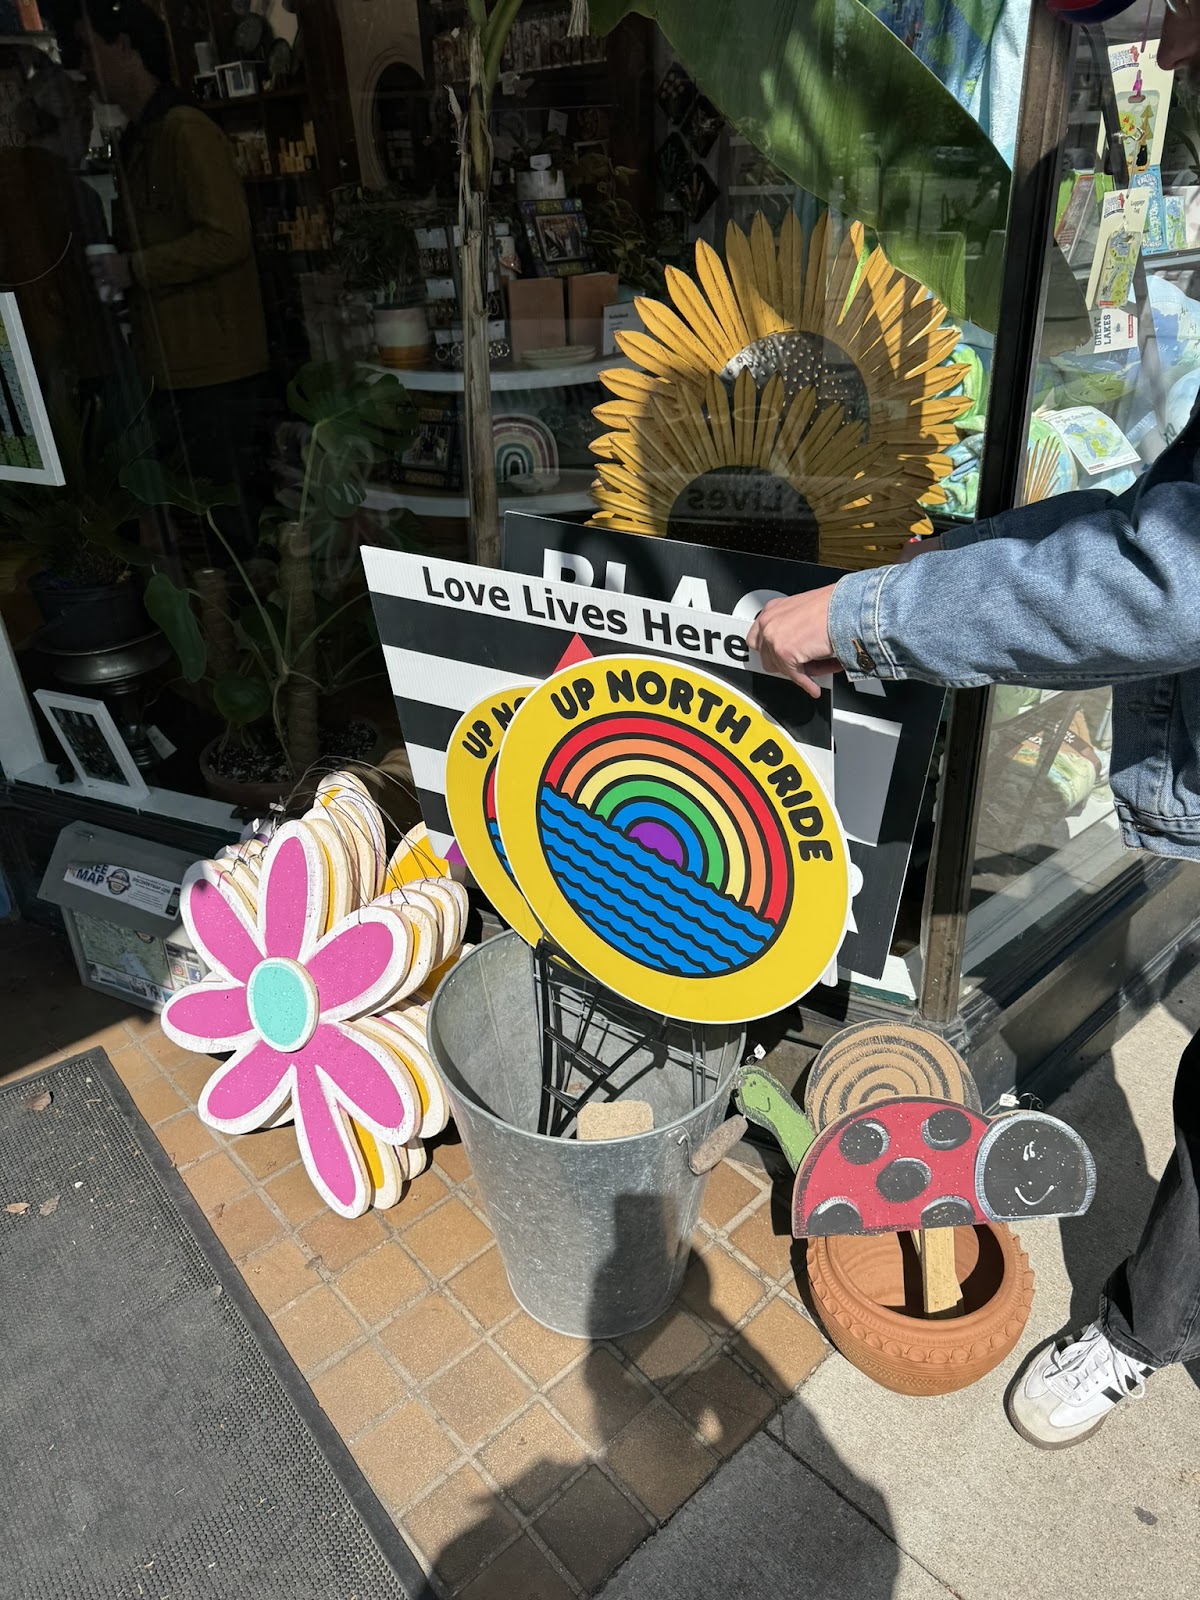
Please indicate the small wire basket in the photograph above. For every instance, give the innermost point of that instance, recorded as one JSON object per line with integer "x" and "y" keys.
{"x": 589, "y": 1034}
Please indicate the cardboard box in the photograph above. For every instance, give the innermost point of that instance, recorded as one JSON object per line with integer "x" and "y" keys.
{"x": 587, "y": 297}
{"x": 536, "y": 315}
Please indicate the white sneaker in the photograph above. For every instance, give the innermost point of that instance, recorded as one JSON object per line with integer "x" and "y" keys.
{"x": 1070, "y": 1386}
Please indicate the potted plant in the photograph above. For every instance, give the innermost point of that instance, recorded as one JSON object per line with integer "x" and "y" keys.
{"x": 275, "y": 638}
{"x": 377, "y": 254}
{"x": 84, "y": 535}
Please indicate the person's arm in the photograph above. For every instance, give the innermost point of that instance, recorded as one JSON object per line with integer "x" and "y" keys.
{"x": 207, "y": 182}
{"x": 1027, "y": 522}
{"x": 1111, "y": 594}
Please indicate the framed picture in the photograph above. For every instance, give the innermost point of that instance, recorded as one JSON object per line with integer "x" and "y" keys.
{"x": 673, "y": 163}
{"x": 94, "y": 748}
{"x": 697, "y": 193}
{"x": 432, "y": 459}
{"x": 558, "y": 236}
{"x": 676, "y": 93}
{"x": 702, "y": 125}
{"x": 27, "y": 452}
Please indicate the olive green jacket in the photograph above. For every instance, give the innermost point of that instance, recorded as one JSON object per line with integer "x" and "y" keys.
{"x": 195, "y": 303}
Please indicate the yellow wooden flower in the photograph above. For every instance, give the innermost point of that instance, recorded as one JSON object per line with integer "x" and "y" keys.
{"x": 744, "y": 471}
{"x": 850, "y": 332}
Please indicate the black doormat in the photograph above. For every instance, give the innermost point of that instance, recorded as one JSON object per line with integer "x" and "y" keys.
{"x": 156, "y": 1439}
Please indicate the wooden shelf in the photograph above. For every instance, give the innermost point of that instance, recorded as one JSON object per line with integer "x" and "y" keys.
{"x": 278, "y": 177}
{"x": 300, "y": 92}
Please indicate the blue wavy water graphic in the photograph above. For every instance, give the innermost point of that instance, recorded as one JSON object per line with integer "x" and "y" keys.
{"x": 657, "y": 914}
{"x": 493, "y": 829}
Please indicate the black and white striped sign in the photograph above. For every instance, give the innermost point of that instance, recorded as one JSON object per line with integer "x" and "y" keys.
{"x": 883, "y": 733}
{"x": 453, "y": 633}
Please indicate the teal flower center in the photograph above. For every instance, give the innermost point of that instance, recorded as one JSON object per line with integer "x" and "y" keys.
{"x": 282, "y": 1000}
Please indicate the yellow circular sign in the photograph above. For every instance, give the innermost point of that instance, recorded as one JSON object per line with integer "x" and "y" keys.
{"x": 672, "y": 839}
{"x": 471, "y": 801}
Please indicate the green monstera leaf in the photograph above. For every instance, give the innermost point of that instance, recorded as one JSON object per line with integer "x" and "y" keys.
{"x": 348, "y": 411}
{"x": 171, "y": 607}
{"x": 837, "y": 102}
{"x": 241, "y": 701}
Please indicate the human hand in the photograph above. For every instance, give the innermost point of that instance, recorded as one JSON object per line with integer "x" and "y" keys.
{"x": 919, "y": 547}
{"x": 791, "y": 635}
{"x": 110, "y": 273}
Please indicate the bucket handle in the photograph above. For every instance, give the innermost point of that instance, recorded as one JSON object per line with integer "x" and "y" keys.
{"x": 716, "y": 1147}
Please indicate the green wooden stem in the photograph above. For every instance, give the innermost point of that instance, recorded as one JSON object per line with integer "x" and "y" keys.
{"x": 763, "y": 1100}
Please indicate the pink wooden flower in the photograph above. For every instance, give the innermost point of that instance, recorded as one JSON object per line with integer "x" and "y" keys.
{"x": 282, "y": 998}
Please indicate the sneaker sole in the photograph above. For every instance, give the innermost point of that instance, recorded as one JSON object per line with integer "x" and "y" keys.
{"x": 1051, "y": 1444}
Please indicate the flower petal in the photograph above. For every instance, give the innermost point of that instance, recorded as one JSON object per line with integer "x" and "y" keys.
{"x": 219, "y": 921}
{"x": 248, "y": 1090}
{"x": 360, "y": 963}
{"x": 293, "y": 893}
{"x": 328, "y": 1147}
{"x": 208, "y": 1016}
{"x": 368, "y": 1080}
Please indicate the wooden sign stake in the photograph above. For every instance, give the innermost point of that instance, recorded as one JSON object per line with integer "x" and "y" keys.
{"x": 940, "y": 1287}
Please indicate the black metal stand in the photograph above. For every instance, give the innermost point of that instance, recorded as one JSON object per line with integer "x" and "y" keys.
{"x": 579, "y": 1018}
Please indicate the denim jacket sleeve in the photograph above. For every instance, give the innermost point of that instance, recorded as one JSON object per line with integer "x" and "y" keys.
{"x": 1079, "y": 590}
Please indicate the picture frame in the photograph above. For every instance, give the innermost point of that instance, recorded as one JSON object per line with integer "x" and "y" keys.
{"x": 432, "y": 460}
{"x": 702, "y": 125}
{"x": 676, "y": 93}
{"x": 28, "y": 453}
{"x": 558, "y": 237}
{"x": 697, "y": 193}
{"x": 99, "y": 756}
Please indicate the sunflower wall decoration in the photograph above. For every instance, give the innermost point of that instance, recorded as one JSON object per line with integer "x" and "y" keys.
{"x": 789, "y": 401}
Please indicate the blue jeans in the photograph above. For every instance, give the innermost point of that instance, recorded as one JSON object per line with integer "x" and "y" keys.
{"x": 1150, "y": 1307}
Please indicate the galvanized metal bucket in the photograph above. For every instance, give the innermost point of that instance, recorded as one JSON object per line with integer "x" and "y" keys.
{"x": 594, "y": 1236}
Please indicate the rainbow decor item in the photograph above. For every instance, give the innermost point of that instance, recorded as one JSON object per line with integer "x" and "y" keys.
{"x": 522, "y": 444}
{"x": 672, "y": 839}
{"x": 471, "y": 801}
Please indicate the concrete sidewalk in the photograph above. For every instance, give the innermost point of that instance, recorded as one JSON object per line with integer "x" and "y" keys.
{"x": 854, "y": 1493}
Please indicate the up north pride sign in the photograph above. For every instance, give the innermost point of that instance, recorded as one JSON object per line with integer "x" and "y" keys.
{"x": 672, "y": 840}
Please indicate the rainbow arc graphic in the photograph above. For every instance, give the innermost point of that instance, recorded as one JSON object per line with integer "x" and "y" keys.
{"x": 664, "y": 845}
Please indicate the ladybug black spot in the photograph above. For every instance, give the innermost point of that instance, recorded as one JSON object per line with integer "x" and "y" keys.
{"x": 949, "y": 1212}
{"x": 863, "y": 1142}
{"x": 903, "y": 1179}
{"x": 834, "y": 1216}
{"x": 946, "y": 1129}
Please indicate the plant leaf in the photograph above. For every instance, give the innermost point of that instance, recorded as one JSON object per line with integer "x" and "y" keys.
{"x": 254, "y": 625}
{"x": 171, "y": 608}
{"x": 155, "y": 484}
{"x": 837, "y": 102}
{"x": 241, "y": 701}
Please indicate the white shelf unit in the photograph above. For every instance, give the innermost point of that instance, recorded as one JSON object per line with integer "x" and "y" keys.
{"x": 571, "y": 493}
{"x": 449, "y": 380}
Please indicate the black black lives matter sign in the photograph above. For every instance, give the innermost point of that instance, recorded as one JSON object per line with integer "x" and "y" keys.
{"x": 883, "y": 733}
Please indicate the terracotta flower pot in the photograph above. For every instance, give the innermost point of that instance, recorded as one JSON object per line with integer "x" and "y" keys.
{"x": 868, "y": 1291}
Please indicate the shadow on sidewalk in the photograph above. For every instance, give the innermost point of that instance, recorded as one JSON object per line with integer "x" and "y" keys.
{"x": 693, "y": 1421}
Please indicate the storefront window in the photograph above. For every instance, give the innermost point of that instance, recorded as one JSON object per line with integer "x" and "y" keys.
{"x": 1048, "y": 835}
{"x": 233, "y": 258}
